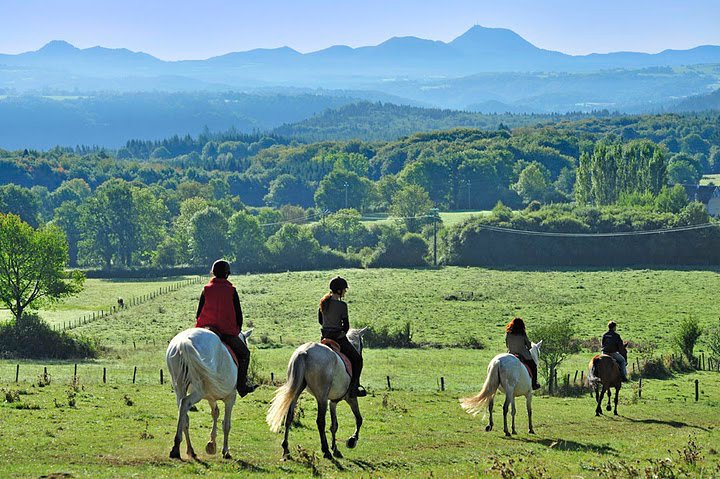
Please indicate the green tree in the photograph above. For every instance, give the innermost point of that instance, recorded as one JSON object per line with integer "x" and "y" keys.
{"x": 533, "y": 183}
{"x": 209, "y": 230}
{"x": 412, "y": 206}
{"x": 683, "y": 172}
{"x": 67, "y": 218}
{"x": 32, "y": 266}
{"x": 558, "y": 342}
{"x": 289, "y": 190}
{"x": 293, "y": 247}
{"x": 433, "y": 175}
{"x": 341, "y": 230}
{"x": 75, "y": 190}
{"x": 246, "y": 240}
{"x": 671, "y": 200}
{"x": 583, "y": 180}
{"x": 342, "y": 189}
{"x": 687, "y": 335}
{"x": 20, "y": 201}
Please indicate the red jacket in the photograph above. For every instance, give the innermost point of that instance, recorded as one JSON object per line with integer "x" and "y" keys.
{"x": 219, "y": 307}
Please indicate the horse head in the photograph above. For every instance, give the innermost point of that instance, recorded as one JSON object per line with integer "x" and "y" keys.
{"x": 535, "y": 351}
{"x": 355, "y": 338}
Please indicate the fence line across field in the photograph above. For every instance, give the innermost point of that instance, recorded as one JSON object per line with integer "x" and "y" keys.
{"x": 131, "y": 302}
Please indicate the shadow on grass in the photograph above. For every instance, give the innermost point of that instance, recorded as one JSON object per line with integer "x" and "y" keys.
{"x": 248, "y": 466}
{"x": 563, "y": 445}
{"x": 675, "y": 424}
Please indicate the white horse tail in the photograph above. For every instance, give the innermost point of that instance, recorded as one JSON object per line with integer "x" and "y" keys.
{"x": 473, "y": 405}
{"x": 592, "y": 377}
{"x": 187, "y": 367}
{"x": 286, "y": 394}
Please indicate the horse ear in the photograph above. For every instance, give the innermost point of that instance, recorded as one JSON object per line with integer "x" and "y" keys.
{"x": 248, "y": 333}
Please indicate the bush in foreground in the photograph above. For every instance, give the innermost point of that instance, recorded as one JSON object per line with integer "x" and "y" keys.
{"x": 32, "y": 338}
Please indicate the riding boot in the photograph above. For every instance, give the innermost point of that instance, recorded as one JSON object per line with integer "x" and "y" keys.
{"x": 243, "y": 357}
{"x": 533, "y": 369}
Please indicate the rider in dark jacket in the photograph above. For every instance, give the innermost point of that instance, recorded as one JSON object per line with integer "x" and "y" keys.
{"x": 612, "y": 344}
{"x": 333, "y": 317}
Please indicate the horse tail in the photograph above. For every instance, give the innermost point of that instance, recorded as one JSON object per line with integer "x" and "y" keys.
{"x": 592, "y": 377}
{"x": 473, "y": 405}
{"x": 187, "y": 367}
{"x": 287, "y": 393}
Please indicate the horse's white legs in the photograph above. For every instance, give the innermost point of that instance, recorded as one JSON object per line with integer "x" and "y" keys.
{"x": 229, "y": 403}
{"x": 333, "y": 428}
{"x": 289, "y": 419}
{"x": 184, "y": 425}
{"x": 210, "y": 447}
{"x": 509, "y": 396}
{"x": 352, "y": 440}
{"x": 491, "y": 405}
{"x": 322, "y": 403}
{"x": 528, "y": 404}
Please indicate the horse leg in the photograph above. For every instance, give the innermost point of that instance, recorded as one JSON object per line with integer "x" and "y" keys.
{"x": 617, "y": 397}
{"x": 333, "y": 428}
{"x": 352, "y": 440}
{"x": 609, "y": 393}
{"x": 320, "y": 421}
{"x": 512, "y": 404}
{"x": 210, "y": 447}
{"x": 229, "y": 403}
{"x": 528, "y": 404}
{"x": 491, "y": 404}
{"x": 599, "y": 393}
{"x": 184, "y": 422}
{"x": 509, "y": 392}
{"x": 288, "y": 421}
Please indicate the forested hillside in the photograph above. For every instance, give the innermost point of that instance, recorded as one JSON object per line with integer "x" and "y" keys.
{"x": 159, "y": 203}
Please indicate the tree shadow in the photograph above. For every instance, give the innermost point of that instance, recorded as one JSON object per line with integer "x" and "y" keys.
{"x": 564, "y": 445}
{"x": 675, "y": 424}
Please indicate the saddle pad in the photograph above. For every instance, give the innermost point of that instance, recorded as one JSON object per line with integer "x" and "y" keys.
{"x": 336, "y": 349}
{"x": 232, "y": 353}
{"x": 526, "y": 366}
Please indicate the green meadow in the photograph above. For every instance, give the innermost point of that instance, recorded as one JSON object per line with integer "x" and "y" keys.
{"x": 88, "y": 428}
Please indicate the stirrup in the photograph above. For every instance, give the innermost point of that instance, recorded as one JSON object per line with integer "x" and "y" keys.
{"x": 245, "y": 390}
{"x": 536, "y": 387}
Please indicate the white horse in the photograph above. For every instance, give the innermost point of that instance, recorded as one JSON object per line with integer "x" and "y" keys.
{"x": 317, "y": 367}
{"x": 506, "y": 372}
{"x": 202, "y": 368}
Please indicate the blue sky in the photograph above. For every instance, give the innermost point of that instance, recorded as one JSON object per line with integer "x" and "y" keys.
{"x": 181, "y": 29}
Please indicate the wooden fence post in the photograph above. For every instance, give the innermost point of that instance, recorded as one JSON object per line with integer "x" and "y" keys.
{"x": 442, "y": 383}
{"x": 697, "y": 390}
{"x": 272, "y": 379}
{"x": 575, "y": 378}
{"x": 640, "y": 389}
{"x": 386, "y": 377}
{"x": 17, "y": 373}
{"x": 134, "y": 373}
{"x": 161, "y": 377}
{"x": 75, "y": 373}
{"x": 104, "y": 375}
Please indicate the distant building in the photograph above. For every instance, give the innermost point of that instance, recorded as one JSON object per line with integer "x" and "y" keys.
{"x": 709, "y": 195}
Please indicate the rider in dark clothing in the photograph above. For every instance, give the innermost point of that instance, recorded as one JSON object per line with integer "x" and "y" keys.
{"x": 612, "y": 344}
{"x": 333, "y": 317}
{"x": 219, "y": 311}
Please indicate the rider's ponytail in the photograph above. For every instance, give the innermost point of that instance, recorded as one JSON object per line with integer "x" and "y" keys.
{"x": 324, "y": 301}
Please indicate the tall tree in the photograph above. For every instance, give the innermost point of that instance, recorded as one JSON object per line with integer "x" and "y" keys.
{"x": 412, "y": 206}
{"x": 32, "y": 266}
{"x": 209, "y": 230}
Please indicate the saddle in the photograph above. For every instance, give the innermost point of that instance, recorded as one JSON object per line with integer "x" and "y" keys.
{"x": 336, "y": 349}
{"x": 229, "y": 349}
{"x": 526, "y": 366}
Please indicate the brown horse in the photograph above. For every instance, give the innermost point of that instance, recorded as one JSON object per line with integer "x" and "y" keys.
{"x": 604, "y": 371}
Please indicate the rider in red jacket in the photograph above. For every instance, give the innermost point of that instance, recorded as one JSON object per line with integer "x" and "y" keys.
{"x": 219, "y": 311}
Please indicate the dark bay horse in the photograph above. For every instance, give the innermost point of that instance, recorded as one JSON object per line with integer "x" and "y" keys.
{"x": 603, "y": 374}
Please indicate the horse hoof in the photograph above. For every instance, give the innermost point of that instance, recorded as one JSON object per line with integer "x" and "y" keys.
{"x": 488, "y": 428}
{"x": 351, "y": 442}
{"x": 227, "y": 455}
{"x": 531, "y": 431}
{"x": 615, "y": 413}
{"x": 174, "y": 454}
{"x": 337, "y": 454}
{"x": 507, "y": 434}
{"x": 608, "y": 408}
{"x": 327, "y": 455}
{"x": 210, "y": 448}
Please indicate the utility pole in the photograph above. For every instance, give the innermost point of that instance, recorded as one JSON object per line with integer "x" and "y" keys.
{"x": 435, "y": 218}
{"x": 345, "y": 184}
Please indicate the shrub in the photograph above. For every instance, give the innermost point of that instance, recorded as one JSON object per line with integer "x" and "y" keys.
{"x": 558, "y": 342}
{"x": 385, "y": 336}
{"x": 399, "y": 251}
{"x": 32, "y": 338}
{"x": 712, "y": 339}
{"x": 686, "y": 337}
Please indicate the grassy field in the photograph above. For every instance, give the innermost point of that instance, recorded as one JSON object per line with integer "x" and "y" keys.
{"x": 119, "y": 429}
{"x": 449, "y": 218}
{"x": 707, "y": 179}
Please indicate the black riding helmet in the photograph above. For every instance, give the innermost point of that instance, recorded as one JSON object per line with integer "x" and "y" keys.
{"x": 337, "y": 284}
{"x": 221, "y": 269}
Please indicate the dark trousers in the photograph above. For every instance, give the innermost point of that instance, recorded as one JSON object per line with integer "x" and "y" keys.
{"x": 533, "y": 369}
{"x": 243, "y": 355}
{"x": 355, "y": 358}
